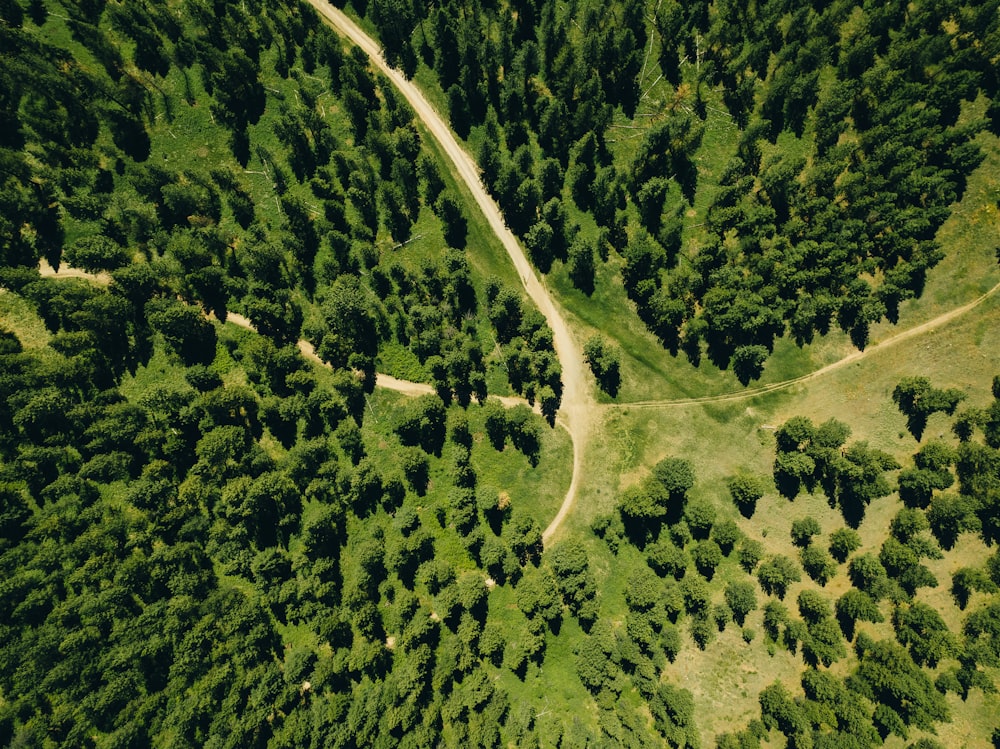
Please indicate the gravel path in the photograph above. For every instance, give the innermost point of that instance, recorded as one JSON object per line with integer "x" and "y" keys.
{"x": 578, "y": 405}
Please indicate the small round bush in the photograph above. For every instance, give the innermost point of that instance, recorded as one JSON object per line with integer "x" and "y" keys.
{"x": 843, "y": 543}
{"x": 803, "y": 530}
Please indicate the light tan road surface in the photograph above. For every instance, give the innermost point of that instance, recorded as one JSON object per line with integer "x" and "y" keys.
{"x": 577, "y": 401}
{"x": 66, "y": 271}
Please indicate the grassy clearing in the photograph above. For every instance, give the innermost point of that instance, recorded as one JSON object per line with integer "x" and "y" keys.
{"x": 721, "y": 438}
{"x": 552, "y": 687}
{"x": 19, "y": 317}
{"x": 159, "y": 373}
{"x": 537, "y": 491}
{"x": 398, "y": 361}
{"x": 426, "y": 78}
{"x": 726, "y": 678}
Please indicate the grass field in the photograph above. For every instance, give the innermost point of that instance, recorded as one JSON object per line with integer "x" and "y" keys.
{"x": 17, "y": 315}
{"x": 537, "y": 491}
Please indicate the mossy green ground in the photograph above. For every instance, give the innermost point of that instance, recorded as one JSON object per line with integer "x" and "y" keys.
{"x": 535, "y": 490}
{"x": 17, "y": 315}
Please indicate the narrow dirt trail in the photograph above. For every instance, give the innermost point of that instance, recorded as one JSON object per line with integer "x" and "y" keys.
{"x": 65, "y": 271}
{"x": 578, "y": 405}
{"x": 387, "y": 382}
{"x": 384, "y": 381}
{"x": 893, "y": 340}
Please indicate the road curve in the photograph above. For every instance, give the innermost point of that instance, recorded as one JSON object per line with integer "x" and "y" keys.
{"x": 577, "y": 407}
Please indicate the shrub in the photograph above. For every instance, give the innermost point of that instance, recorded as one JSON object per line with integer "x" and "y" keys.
{"x": 746, "y": 490}
{"x": 803, "y": 530}
{"x": 776, "y": 574}
{"x": 750, "y": 554}
{"x": 818, "y": 564}
{"x": 700, "y": 516}
{"x": 726, "y": 534}
{"x": 706, "y": 555}
{"x": 665, "y": 558}
{"x": 741, "y": 599}
{"x": 844, "y": 542}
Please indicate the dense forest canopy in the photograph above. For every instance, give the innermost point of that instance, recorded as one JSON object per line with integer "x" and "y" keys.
{"x": 208, "y": 539}
{"x": 851, "y": 129}
{"x": 204, "y": 541}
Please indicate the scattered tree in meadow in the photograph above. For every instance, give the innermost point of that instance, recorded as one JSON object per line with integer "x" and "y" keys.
{"x": 575, "y": 581}
{"x": 665, "y": 558}
{"x": 699, "y": 514}
{"x": 726, "y": 534}
{"x": 966, "y": 580}
{"x": 749, "y": 555}
{"x": 817, "y": 563}
{"x": 810, "y": 456}
{"x": 776, "y": 573}
{"x": 950, "y": 515}
{"x": 748, "y": 362}
{"x": 746, "y": 489}
{"x": 707, "y": 556}
{"x": 854, "y": 606}
{"x": 422, "y": 422}
{"x": 843, "y": 543}
{"x": 605, "y": 362}
{"x": 660, "y": 498}
{"x": 741, "y": 598}
{"x": 803, "y": 530}
{"x": 922, "y": 630}
{"x": 917, "y": 399}
{"x": 581, "y": 263}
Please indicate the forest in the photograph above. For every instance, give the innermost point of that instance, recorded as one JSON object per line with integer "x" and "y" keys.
{"x": 220, "y": 224}
{"x": 833, "y": 228}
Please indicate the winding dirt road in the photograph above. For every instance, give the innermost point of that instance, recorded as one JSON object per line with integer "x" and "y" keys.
{"x": 577, "y": 409}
